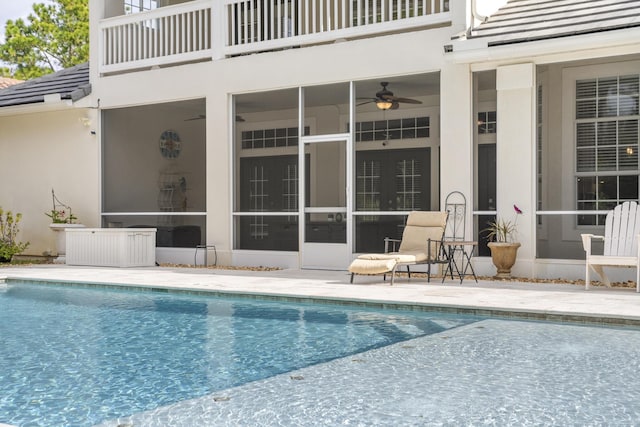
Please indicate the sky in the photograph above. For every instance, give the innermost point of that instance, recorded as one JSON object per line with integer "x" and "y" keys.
{"x": 14, "y": 9}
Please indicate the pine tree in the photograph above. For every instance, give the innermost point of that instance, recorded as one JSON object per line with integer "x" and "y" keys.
{"x": 54, "y": 36}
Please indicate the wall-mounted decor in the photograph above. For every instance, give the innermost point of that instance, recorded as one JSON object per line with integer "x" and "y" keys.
{"x": 170, "y": 144}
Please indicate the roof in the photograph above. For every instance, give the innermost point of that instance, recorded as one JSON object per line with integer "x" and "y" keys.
{"x": 6, "y": 82}
{"x": 521, "y": 21}
{"x": 71, "y": 83}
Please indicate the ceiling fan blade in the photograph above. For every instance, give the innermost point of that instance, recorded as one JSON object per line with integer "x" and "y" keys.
{"x": 199, "y": 117}
{"x": 370, "y": 100}
{"x": 405, "y": 100}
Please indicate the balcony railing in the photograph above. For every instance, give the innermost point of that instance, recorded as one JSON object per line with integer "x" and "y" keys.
{"x": 167, "y": 35}
{"x": 214, "y": 29}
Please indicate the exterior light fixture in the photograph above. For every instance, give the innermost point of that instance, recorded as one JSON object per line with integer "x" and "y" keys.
{"x": 630, "y": 151}
{"x": 383, "y": 104}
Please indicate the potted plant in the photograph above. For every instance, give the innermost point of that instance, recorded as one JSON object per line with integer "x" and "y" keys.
{"x": 62, "y": 218}
{"x": 8, "y": 231}
{"x": 502, "y": 237}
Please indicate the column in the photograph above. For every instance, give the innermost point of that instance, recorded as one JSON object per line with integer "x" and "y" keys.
{"x": 515, "y": 163}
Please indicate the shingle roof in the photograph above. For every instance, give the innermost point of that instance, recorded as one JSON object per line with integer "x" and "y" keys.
{"x": 71, "y": 83}
{"x": 6, "y": 82}
{"x": 529, "y": 20}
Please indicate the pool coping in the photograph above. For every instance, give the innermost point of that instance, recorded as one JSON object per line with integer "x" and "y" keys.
{"x": 529, "y": 314}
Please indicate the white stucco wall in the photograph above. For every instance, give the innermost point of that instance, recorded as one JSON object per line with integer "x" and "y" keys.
{"x": 45, "y": 150}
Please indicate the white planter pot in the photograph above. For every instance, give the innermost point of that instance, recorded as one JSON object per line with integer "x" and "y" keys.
{"x": 61, "y": 240}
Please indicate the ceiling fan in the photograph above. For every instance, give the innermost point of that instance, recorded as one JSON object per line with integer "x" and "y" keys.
{"x": 239, "y": 118}
{"x": 385, "y": 100}
{"x": 198, "y": 117}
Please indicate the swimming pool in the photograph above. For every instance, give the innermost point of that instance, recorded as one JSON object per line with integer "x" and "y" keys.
{"x": 80, "y": 356}
{"x": 401, "y": 369}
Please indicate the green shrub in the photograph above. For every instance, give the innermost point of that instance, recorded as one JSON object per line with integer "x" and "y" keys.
{"x": 8, "y": 231}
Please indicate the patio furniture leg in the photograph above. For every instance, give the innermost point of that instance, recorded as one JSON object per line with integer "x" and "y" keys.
{"x": 587, "y": 277}
{"x": 351, "y": 281}
{"x": 600, "y": 270}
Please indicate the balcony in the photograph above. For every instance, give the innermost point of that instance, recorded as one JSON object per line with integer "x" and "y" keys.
{"x": 216, "y": 29}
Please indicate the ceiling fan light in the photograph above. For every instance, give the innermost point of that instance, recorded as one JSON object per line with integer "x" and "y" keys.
{"x": 383, "y": 104}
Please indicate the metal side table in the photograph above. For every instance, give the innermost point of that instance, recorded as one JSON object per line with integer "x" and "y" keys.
{"x": 461, "y": 271}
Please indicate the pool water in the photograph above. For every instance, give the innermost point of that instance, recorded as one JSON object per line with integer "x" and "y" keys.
{"x": 74, "y": 356}
{"x": 488, "y": 373}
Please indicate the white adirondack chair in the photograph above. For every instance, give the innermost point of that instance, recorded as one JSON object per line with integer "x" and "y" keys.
{"x": 621, "y": 243}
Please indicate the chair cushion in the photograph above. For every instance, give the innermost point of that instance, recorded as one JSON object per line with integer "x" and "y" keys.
{"x": 420, "y": 227}
{"x": 404, "y": 257}
{"x": 372, "y": 266}
{"x": 427, "y": 219}
{"x": 410, "y": 256}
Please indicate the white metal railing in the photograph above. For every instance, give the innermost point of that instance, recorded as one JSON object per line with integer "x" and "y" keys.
{"x": 168, "y": 34}
{"x": 214, "y": 29}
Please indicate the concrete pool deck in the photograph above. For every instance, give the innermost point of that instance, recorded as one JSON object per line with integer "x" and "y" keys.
{"x": 549, "y": 301}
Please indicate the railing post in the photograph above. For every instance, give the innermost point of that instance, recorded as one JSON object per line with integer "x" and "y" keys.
{"x": 218, "y": 29}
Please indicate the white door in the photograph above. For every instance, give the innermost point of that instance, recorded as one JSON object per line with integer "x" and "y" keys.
{"x": 325, "y": 233}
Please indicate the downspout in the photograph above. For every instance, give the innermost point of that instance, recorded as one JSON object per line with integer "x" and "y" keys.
{"x": 475, "y": 15}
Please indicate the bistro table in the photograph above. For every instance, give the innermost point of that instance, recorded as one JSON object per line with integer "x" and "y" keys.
{"x": 465, "y": 249}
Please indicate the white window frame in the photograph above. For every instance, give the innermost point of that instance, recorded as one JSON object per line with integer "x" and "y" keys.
{"x": 570, "y": 75}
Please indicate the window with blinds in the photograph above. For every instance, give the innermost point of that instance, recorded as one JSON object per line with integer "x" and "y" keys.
{"x": 606, "y": 142}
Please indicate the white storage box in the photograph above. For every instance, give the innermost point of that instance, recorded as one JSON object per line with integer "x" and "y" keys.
{"x": 111, "y": 247}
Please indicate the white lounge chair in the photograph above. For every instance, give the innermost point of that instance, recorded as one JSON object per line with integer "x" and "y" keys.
{"x": 621, "y": 243}
{"x": 421, "y": 244}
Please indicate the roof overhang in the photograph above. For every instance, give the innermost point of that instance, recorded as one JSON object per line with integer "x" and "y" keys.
{"x": 561, "y": 49}
{"x": 40, "y": 107}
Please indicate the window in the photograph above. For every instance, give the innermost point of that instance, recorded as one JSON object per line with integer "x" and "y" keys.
{"x": 385, "y": 130}
{"x": 135, "y": 6}
{"x": 409, "y": 184}
{"x": 487, "y": 122}
{"x": 606, "y": 144}
{"x": 269, "y": 138}
{"x": 368, "y": 184}
{"x": 257, "y": 20}
{"x": 376, "y": 11}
